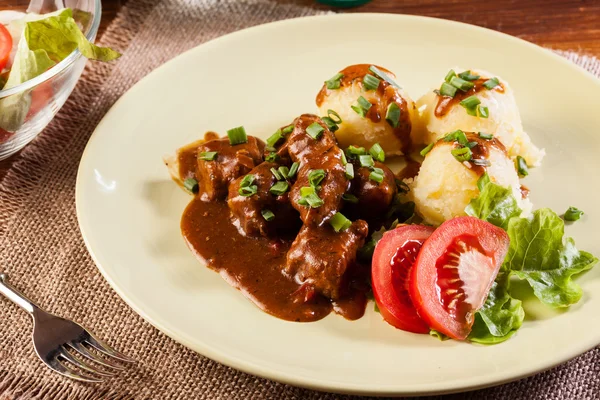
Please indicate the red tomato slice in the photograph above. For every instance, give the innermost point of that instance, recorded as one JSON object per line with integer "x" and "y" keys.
{"x": 454, "y": 271}
{"x": 393, "y": 259}
{"x": 6, "y": 44}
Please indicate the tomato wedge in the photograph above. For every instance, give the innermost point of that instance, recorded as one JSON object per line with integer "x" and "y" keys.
{"x": 393, "y": 259}
{"x": 6, "y": 44}
{"x": 454, "y": 271}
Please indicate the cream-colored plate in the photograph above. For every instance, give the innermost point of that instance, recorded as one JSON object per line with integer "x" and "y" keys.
{"x": 129, "y": 210}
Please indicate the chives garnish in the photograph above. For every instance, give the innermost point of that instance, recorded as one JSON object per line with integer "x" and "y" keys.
{"x": 483, "y": 112}
{"x": 274, "y": 138}
{"x": 350, "y": 171}
{"x": 470, "y": 102}
{"x": 573, "y": 214}
{"x": 447, "y": 90}
{"x": 451, "y": 74}
{"x": 462, "y": 154}
{"x": 343, "y": 157}
{"x": 339, "y": 222}
{"x": 237, "y": 136}
{"x": 491, "y": 83}
{"x": 315, "y": 177}
{"x": 356, "y": 151}
{"x": 461, "y": 84}
{"x": 456, "y": 136}
{"x": 284, "y": 171}
{"x": 363, "y": 106}
{"x": 377, "y": 152}
{"x": 268, "y": 214}
{"x": 376, "y": 175}
{"x": 481, "y": 162}
{"x": 288, "y": 129}
{"x": 366, "y": 161}
{"x": 522, "y": 166}
{"x": 315, "y": 130}
{"x": 331, "y": 125}
{"x": 272, "y": 157}
{"x": 293, "y": 170}
{"x": 471, "y": 144}
{"x": 334, "y": 81}
{"x": 427, "y": 149}
{"x": 309, "y": 197}
{"x": 279, "y": 188}
{"x": 467, "y": 76}
{"x": 276, "y": 174}
{"x": 248, "y": 191}
{"x": 392, "y": 115}
{"x": 383, "y": 76}
{"x": 331, "y": 114}
{"x": 247, "y": 181}
{"x": 191, "y": 185}
{"x": 207, "y": 155}
{"x": 350, "y": 198}
{"x": 370, "y": 82}
{"x": 486, "y": 136}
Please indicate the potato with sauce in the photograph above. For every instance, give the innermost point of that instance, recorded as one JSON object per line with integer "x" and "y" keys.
{"x": 476, "y": 101}
{"x": 372, "y": 109}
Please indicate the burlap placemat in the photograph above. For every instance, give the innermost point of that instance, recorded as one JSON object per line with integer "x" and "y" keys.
{"x": 42, "y": 251}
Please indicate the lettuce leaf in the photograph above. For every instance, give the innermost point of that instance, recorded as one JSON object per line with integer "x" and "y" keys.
{"x": 495, "y": 204}
{"x": 539, "y": 253}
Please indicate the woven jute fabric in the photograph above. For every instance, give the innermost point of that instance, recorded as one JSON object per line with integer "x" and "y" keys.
{"x": 42, "y": 250}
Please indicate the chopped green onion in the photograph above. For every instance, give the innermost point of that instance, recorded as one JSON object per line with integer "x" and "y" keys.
{"x": 366, "y": 161}
{"x": 447, "y": 90}
{"x": 383, "y": 76}
{"x": 288, "y": 129}
{"x": 315, "y": 130}
{"x": 315, "y": 177}
{"x": 377, "y": 152}
{"x": 268, "y": 215}
{"x": 451, "y": 74}
{"x": 482, "y": 111}
{"x": 467, "y": 76}
{"x": 456, "y": 136}
{"x": 461, "y": 84}
{"x": 376, "y": 175}
{"x": 522, "y": 166}
{"x": 427, "y": 149}
{"x": 370, "y": 82}
{"x": 491, "y": 83}
{"x": 293, "y": 170}
{"x": 481, "y": 162}
{"x": 462, "y": 154}
{"x": 343, "y": 157}
{"x": 471, "y": 144}
{"x": 356, "y": 151}
{"x": 247, "y": 181}
{"x": 350, "y": 171}
{"x": 274, "y": 138}
{"x": 335, "y": 81}
{"x": 237, "y": 136}
{"x": 573, "y": 214}
{"x": 284, "y": 171}
{"x": 309, "y": 197}
{"x": 350, "y": 198}
{"x": 363, "y": 106}
{"x": 339, "y": 222}
{"x": 306, "y": 190}
{"x": 272, "y": 157}
{"x": 337, "y": 120}
{"x": 207, "y": 155}
{"x": 331, "y": 125}
{"x": 276, "y": 174}
{"x": 191, "y": 185}
{"x": 470, "y": 102}
{"x": 279, "y": 188}
{"x": 248, "y": 191}
{"x": 485, "y": 136}
{"x": 392, "y": 115}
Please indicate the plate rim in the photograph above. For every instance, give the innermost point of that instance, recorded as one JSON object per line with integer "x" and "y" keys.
{"x": 252, "y": 368}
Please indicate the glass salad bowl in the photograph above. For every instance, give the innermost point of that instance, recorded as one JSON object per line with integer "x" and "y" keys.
{"x": 27, "y": 108}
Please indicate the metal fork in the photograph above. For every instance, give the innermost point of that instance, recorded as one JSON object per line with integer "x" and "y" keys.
{"x": 56, "y": 339}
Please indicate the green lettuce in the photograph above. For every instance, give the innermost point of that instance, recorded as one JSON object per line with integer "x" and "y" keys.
{"x": 495, "y": 204}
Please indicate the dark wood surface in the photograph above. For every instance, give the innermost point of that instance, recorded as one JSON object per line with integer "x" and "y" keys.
{"x": 558, "y": 24}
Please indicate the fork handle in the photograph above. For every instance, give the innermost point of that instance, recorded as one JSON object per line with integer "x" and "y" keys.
{"x": 15, "y": 296}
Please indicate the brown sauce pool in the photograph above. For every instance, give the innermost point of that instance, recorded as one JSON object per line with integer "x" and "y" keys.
{"x": 254, "y": 266}
{"x": 445, "y": 103}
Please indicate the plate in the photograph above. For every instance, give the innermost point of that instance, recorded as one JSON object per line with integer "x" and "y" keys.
{"x": 129, "y": 210}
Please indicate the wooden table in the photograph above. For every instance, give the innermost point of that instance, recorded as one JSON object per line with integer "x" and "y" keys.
{"x": 557, "y": 24}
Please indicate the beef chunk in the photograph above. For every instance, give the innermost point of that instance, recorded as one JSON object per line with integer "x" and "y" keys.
{"x": 246, "y": 211}
{"x": 322, "y": 257}
{"x": 374, "y": 199}
{"x": 231, "y": 162}
{"x": 329, "y": 190}
{"x": 300, "y": 146}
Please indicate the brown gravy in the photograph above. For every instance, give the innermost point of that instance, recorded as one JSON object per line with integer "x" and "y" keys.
{"x": 254, "y": 266}
{"x": 445, "y": 103}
